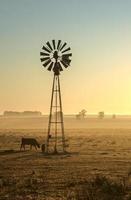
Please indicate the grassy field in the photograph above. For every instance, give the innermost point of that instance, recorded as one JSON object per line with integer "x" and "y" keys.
{"x": 97, "y": 167}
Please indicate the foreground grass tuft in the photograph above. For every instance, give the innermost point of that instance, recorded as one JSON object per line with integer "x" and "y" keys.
{"x": 38, "y": 188}
{"x": 100, "y": 188}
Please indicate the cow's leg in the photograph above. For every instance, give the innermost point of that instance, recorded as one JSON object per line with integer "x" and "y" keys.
{"x": 21, "y": 146}
{"x": 35, "y": 147}
{"x": 31, "y": 147}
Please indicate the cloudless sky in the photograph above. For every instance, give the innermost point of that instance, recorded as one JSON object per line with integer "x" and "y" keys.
{"x": 99, "y": 34}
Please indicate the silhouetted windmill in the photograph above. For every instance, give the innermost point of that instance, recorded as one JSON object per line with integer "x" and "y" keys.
{"x": 55, "y": 57}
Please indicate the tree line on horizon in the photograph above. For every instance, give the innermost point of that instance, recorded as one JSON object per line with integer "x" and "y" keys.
{"x": 101, "y": 115}
{"x": 81, "y": 115}
{"x": 24, "y": 113}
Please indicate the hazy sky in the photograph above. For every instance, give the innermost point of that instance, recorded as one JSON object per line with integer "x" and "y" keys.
{"x": 99, "y": 34}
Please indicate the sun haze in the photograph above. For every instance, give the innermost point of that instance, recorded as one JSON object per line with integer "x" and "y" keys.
{"x": 99, "y": 34}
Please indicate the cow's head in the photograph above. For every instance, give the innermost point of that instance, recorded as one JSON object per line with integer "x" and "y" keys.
{"x": 38, "y": 145}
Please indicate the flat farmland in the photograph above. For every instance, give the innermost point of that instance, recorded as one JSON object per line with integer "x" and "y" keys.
{"x": 96, "y": 147}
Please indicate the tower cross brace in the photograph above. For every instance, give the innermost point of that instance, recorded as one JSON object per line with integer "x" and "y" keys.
{"x": 56, "y": 120}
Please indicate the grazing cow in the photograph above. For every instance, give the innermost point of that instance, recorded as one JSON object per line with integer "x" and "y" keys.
{"x": 29, "y": 141}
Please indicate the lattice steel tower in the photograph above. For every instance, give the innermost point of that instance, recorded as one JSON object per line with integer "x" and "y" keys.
{"x": 55, "y": 57}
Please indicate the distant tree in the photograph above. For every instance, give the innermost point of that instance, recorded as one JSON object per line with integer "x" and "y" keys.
{"x": 101, "y": 115}
{"x": 78, "y": 116}
{"x": 113, "y": 116}
{"x": 81, "y": 114}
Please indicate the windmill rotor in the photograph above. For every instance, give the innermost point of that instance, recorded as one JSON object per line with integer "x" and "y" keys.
{"x": 55, "y": 56}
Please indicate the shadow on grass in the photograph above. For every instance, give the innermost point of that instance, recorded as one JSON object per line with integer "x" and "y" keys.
{"x": 59, "y": 154}
{"x": 9, "y": 151}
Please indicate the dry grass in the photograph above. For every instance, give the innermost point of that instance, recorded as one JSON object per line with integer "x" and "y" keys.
{"x": 97, "y": 168}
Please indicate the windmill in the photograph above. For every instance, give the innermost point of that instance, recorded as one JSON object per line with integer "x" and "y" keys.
{"x": 55, "y": 56}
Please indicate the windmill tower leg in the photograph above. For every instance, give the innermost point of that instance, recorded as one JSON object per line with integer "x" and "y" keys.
{"x": 50, "y": 117}
{"x": 56, "y": 109}
{"x": 61, "y": 117}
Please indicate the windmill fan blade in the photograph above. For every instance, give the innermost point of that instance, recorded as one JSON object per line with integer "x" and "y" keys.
{"x": 46, "y": 49}
{"x": 66, "y": 50}
{"x": 67, "y": 55}
{"x": 44, "y": 54}
{"x": 63, "y": 46}
{"x": 46, "y": 63}
{"x": 65, "y": 65}
{"x": 53, "y": 42}
{"x": 66, "y": 61}
{"x": 58, "y": 45}
{"x": 59, "y": 66}
{"x": 46, "y": 58}
{"x": 50, "y": 66}
{"x": 50, "y": 47}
